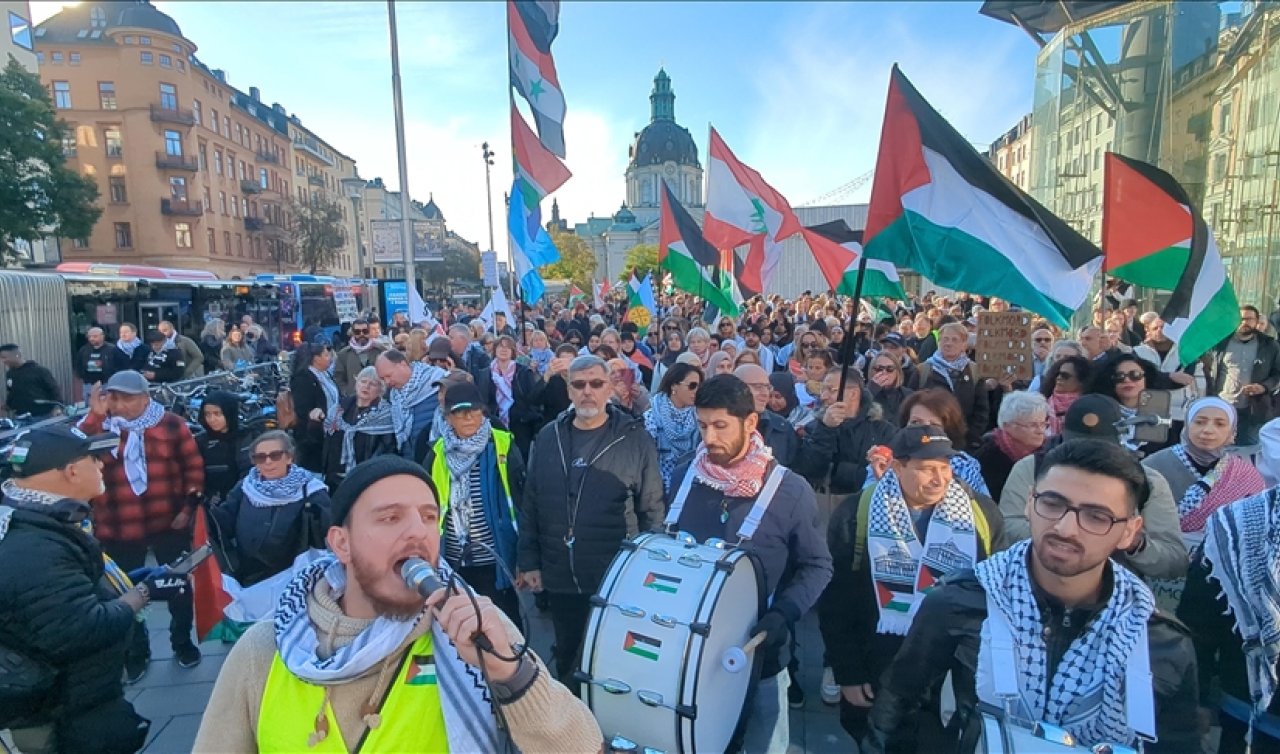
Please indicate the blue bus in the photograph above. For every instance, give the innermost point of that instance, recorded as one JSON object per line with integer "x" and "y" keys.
{"x": 322, "y": 301}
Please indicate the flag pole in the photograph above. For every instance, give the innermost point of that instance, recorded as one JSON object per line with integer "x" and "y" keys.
{"x": 406, "y": 218}
{"x": 847, "y": 352}
{"x": 1106, "y": 222}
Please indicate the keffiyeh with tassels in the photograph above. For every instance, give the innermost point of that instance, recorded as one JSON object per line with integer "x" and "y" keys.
{"x": 1086, "y": 695}
{"x": 295, "y": 486}
{"x": 134, "y": 450}
{"x": 372, "y": 420}
{"x": 421, "y": 385}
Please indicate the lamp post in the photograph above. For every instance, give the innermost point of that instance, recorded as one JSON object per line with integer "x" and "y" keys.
{"x": 487, "y": 154}
{"x": 354, "y": 189}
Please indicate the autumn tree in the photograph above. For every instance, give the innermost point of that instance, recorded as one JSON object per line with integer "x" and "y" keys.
{"x": 39, "y": 195}
{"x": 461, "y": 264}
{"x": 317, "y": 234}
{"x": 642, "y": 258}
{"x": 577, "y": 260}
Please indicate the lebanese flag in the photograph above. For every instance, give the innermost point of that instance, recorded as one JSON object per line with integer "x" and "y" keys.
{"x": 541, "y": 170}
{"x": 837, "y": 248}
{"x": 533, "y": 71}
{"x": 1153, "y": 236}
{"x": 694, "y": 263}
{"x": 743, "y": 209}
{"x": 941, "y": 209}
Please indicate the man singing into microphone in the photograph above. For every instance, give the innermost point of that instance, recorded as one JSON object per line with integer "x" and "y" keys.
{"x": 357, "y": 659}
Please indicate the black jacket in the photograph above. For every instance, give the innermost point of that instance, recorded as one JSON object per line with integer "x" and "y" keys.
{"x": 56, "y": 607}
{"x": 780, "y": 436}
{"x": 995, "y": 465}
{"x": 166, "y": 365}
{"x": 849, "y": 609}
{"x": 890, "y": 399}
{"x": 946, "y": 637}
{"x": 619, "y": 495}
{"x": 27, "y": 384}
{"x": 264, "y": 541}
{"x": 366, "y": 446}
{"x": 225, "y": 454}
{"x": 526, "y": 410}
{"x": 973, "y": 397}
{"x": 308, "y": 433}
{"x": 836, "y": 459}
{"x": 98, "y": 364}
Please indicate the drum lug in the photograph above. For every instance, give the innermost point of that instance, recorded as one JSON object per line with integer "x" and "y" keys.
{"x": 726, "y": 565}
{"x": 618, "y": 743}
{"x": 597, "y": 600}
{"x": 582, "y": 676}
{"x": 687, "y": 711}
{"x": 701, "y": 628}
{"x": 630, "y": 545}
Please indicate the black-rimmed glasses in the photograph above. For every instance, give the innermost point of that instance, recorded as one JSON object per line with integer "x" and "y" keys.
{"x": 1093, "y": 519}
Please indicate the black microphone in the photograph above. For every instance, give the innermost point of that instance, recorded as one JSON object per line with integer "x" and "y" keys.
{"x": 419, "y": 576}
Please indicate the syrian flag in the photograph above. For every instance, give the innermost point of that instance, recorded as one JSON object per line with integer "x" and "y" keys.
{"x": 837, "y": 248}
{"x": 941, "y": 209}
{"x": 743, "y": 209}
{"x": 533, "y": 71}
{"x": 694, "y": 263}
{"x": 1153, "y": 236}
{"x": 541, "y": 171}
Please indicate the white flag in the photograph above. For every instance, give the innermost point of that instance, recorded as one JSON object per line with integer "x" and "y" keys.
{"x": 419, "y": 314}
{"x": 497, "y": 303}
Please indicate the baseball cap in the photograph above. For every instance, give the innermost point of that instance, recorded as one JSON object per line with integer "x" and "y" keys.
{"x": 39, "y": 450}
{"x": 921, "y": 442}
{"x": 1092, "y": 416}
{"x": 439, "y": 349}
{"x": 894, "y": 339}
{"x": 462, "y": 396}
{"x": 128, "y": 382}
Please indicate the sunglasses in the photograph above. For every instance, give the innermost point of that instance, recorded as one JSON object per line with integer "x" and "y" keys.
{"x": 691, "y": 385}
{"x": 1064, "y": 376}
{"x": 272, "y": 455}
{"x": 361, "y": 331}
{"x": 1133, "y": 375}
{"x": 1043, "y": 340}
{"x": 882, "y": 369}
{"x": 583, "y": 384}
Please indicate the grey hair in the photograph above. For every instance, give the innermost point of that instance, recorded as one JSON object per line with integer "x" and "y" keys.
{"x": 698, "y": 332}
{"x": 1074, "y": 345}
{"x": 278, "y": 435}
{"x": 460, "y": 329}
{"x": 589, "y": 361}
{"x": 371, "y": 374}
{"x": 1020, "y": 404}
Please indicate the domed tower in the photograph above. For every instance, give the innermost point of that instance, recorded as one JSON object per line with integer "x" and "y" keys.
{"x": 663, "y": 151}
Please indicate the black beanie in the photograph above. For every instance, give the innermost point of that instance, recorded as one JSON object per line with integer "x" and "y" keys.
{"x": 365, "y": 474}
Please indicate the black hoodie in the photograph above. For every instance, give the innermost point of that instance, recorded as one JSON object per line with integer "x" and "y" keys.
{"x": 225, "y": 455}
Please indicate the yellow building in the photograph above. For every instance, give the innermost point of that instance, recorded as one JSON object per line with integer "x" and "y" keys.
{"x": 192, "y": 172}
{"x": 1011, "y": 154}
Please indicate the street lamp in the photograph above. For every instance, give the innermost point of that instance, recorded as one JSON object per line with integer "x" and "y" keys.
{"x": 354, "y": 189}
{"x": 487, "y": 154}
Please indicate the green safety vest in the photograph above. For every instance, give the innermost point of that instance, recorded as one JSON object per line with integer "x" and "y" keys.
{"x": 412, "y": 719}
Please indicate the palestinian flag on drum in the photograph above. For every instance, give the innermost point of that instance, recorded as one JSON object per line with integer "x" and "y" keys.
{"x": 661, "y": 582}
{"x": 941, "y": 209}
{"x": 641, "y": 645}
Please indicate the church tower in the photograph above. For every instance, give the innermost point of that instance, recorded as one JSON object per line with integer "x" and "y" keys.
{"x": 662, "y": 151}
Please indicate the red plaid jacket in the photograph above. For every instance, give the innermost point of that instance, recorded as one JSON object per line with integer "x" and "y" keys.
{"x": 175, "y": 472}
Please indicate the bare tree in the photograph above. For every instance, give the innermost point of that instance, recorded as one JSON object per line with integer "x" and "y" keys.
{"x": 317, "y": 233}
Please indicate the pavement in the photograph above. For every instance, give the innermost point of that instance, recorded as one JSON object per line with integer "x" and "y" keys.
{"x": 174, "y": 699}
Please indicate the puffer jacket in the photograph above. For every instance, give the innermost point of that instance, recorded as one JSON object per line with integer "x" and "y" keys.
{"x": 620, "y": 496}
{"x": 835, "y": 459}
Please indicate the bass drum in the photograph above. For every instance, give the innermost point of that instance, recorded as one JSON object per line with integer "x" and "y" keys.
{"x": 662, "y": 661}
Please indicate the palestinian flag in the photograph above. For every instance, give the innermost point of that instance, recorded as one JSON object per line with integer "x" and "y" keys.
{"x": 532, "y": 27}
{"x": 641, "y": 645}
{"x": 837, "y": 249}
{"x": 209, "y": 599}
{"x": 941, "y": 209}
{"x": 693, "y": 263}
{"x": 661, "y": 582}
{"x": 541, "y": 171}
{"x": 1153, "y": 236}
{"x": 421, "y": 671}
{"x": 576, "y": 294}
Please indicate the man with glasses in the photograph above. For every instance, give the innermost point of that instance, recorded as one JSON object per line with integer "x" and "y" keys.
{"x": 777, "y": 432}
{"x": 1052, "y": 633}
{"x": 1041, "y": 346}
{"x": 1245, "y": 371}
{"x": 890, "y": 546}
{"x": 593, "y": 481}
{"x": 361, "y": 351}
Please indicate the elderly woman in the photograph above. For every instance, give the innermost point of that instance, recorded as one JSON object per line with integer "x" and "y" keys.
{"x": 235, "y": 353}
{"x": 278, "y": 511}
{"x": 1064, "y": 382}
{"x": 358, "y": 428}
{"x": 700, "y": 344}
{"x": 885, "y": 382}
{"x": 671, "y": 418}
{"x": 314, "y": 395}
{"x": 627, "y": 391}
{"x": 949, "y": 368}
{"x": 1021, "y": 426}
{"x": 540, "y": 353}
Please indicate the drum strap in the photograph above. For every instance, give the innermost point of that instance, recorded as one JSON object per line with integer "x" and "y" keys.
{"x": 754, "y": 516}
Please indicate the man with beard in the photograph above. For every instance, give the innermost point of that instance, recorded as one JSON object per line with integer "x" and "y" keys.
{"x": 1245, "y": 371}
{"x": 386, "y": 669}
{"x": 1051, "y": 630}
{"x": 734, "y": 490}
{"x": 360, "y": 352}
{"x": 593, "y": 481}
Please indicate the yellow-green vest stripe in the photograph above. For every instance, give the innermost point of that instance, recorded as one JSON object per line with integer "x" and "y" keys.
{"x": 412, "y": 719}
{"x": 440, "y": 473}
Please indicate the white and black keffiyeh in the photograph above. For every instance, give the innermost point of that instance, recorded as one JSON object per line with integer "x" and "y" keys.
{"x": 1086, "y": 695}
{"x": 1242, "y": 546}
{"x": 903, "y": 568}
{"x": 135, "y": 448}
{"x": 372, "y": 420}
{"x": 421, "y": 385}
{"x": 460, "y": 454}
{"x": 464, "y": 695}
{"x": 294, "y": 487}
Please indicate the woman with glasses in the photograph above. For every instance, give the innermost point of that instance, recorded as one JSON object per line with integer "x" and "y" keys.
{"x": 315, "y": 394}
{"x": 516, "y": 395}
{"x": 672, "y": 420}
{"x": 1021, "y": 428}
{"x": 886, "y": 383}
{"x": 1064, "y": 381}
{"x": 358, "y": 428}
{"x": 807, "y": 344}
{"x": 278, "y": 511}
{"x": 1126, "y": 377}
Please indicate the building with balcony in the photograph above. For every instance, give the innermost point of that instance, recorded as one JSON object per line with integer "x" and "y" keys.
{"x": 192, "y": 172}
{"x": 319, "y": 171}
{"x": 1011, "y": 153}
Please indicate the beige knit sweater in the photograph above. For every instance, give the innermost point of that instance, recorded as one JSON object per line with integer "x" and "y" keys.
{"x": 548, "y": 718}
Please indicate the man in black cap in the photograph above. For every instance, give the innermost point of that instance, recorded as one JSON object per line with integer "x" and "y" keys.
{"x": 161, "y": 362}
{"x": 64, "y": 604}
{"x": 1158, "y": 551}
{"x": 390, "y": 669}
{"x": 890, "y": 546}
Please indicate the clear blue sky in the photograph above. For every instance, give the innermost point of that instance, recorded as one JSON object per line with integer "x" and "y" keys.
{"x": 796, "y": 89}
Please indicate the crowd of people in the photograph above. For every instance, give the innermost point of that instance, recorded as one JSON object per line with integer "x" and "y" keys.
{"x": 1040, "y": 542}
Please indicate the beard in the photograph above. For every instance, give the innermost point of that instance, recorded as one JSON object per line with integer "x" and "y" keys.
{"x": 727, "y": 454}
{"x": 395, "y": 601}
{"x": 1064, "y": 564}
{"x": 587, "y": 412}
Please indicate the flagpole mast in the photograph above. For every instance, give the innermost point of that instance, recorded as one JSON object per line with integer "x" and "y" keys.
{"x": 406, "y": 219}
{"x": 1106, "y": 223}
{"x": 846, "y": 351}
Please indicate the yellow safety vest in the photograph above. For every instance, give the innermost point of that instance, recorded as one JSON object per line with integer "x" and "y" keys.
{"x": 441, "y": 478}
{"x": 412, "y": 719}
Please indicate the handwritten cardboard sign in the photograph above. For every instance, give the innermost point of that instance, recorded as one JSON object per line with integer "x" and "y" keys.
{"x": 1004, "y": 345}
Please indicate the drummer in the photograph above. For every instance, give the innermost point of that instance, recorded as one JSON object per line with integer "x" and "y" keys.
{"x": 733, "y": 474}
{"x": 1051, "y": 631}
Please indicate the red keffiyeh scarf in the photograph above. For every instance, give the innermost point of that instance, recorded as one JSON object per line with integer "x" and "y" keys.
{"x": 744, "y": 478}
